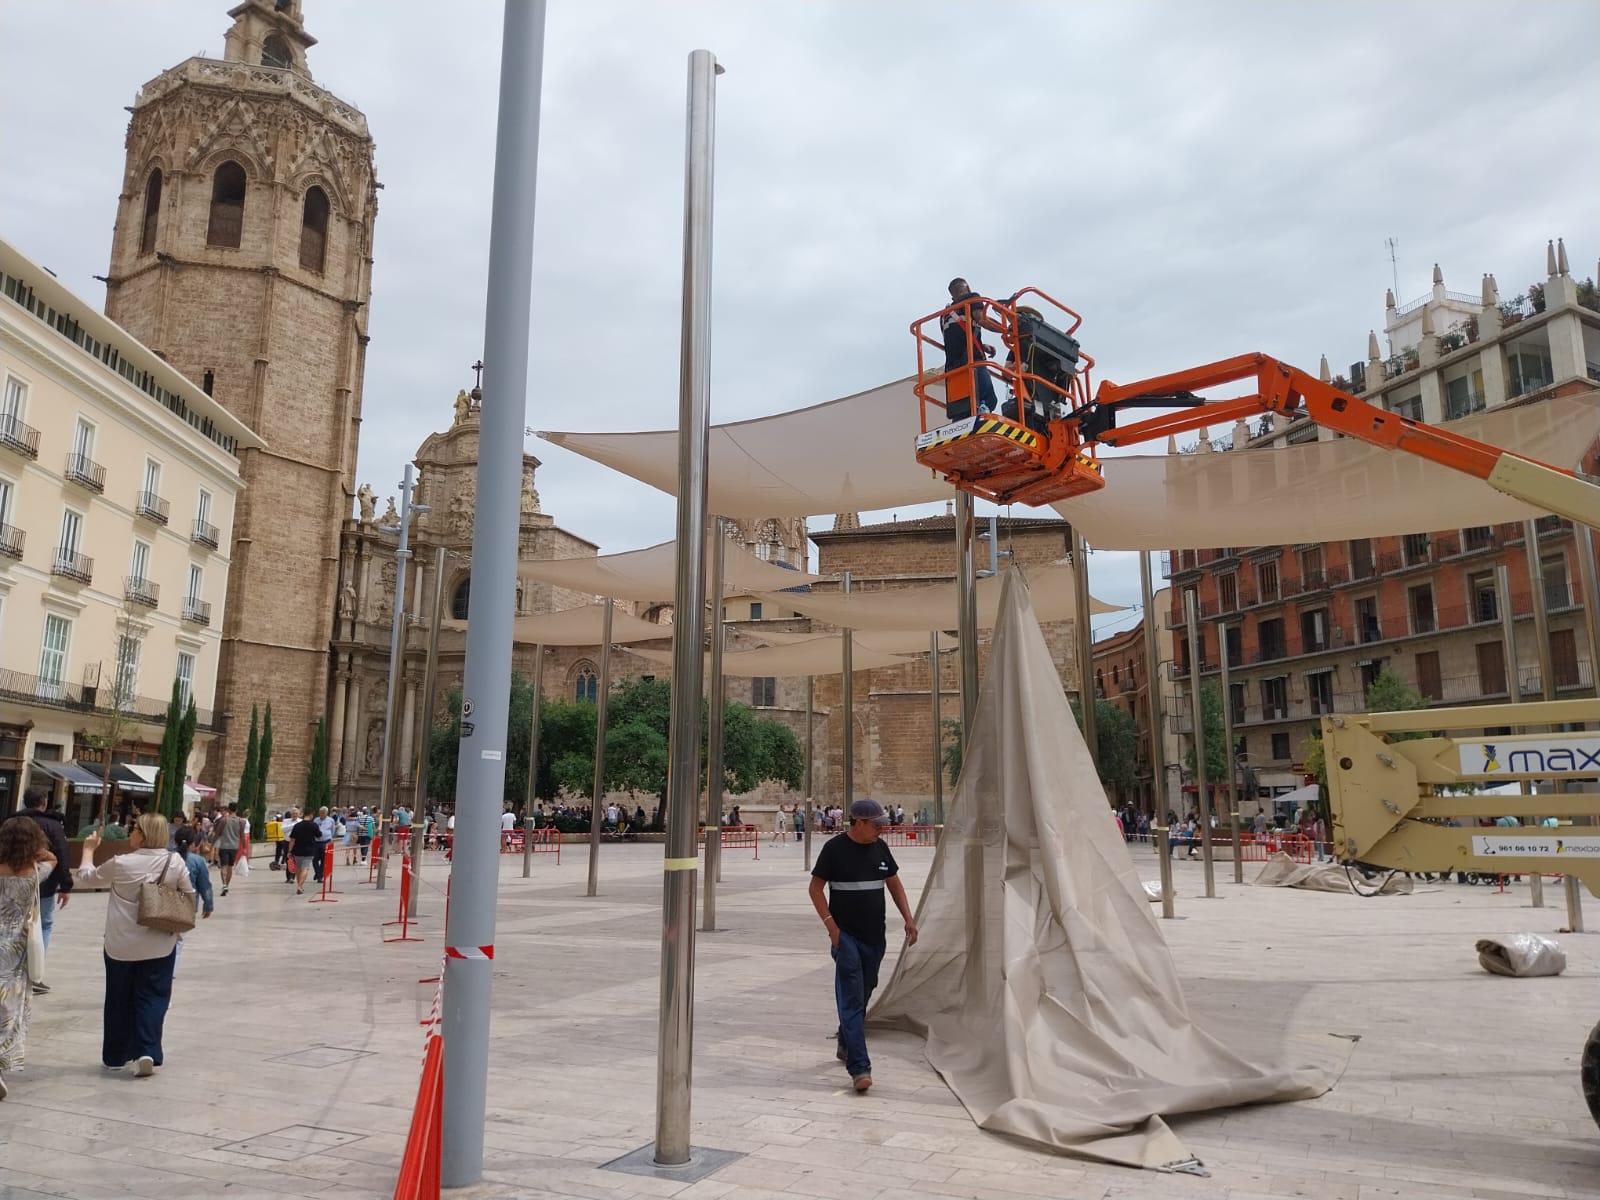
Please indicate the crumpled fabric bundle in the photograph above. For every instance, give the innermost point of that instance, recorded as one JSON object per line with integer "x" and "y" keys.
{"x": 1521, "y": 955}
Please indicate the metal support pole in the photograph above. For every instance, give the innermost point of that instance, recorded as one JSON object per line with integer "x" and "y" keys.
{"x": 1191, "y": 616}
{"x": 1083, "y": 636}
{"x": 847, "y": 685}
{"x": 1583, "y": 546}
{"x": 934, "y": 687}
{"x": 675, "y": 1047}
{"x": 480, "y": 779}
{"x": 811, "y": 708}
{"x": 1164, "y": 856}
{"x": 715, "y": 702}
{"x": 430, "y": 683}
{"x": 1228, "y": 742}
{"x": 1152, "y": 687}
{"x": 966, "y": 615}
{"x": 602, "y": 702}
{"x": 390, "y": 768}
{"x": 1541, "y": 637}
{"x": 533, "y": 762}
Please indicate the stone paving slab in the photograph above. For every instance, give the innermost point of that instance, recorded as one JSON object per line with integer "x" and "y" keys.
{"x": 293, "y": 1048}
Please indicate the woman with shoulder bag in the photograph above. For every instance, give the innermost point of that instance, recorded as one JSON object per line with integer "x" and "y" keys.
{"x": 151, "y": 903}
{"x": 22, "y": 849}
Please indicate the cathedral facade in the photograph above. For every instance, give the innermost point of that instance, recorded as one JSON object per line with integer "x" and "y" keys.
{"x": 242, "y": 254}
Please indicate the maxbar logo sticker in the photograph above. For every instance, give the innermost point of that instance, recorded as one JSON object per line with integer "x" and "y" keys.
{"x": 1550, "y": 847}
{"x": 1561, "y": 754}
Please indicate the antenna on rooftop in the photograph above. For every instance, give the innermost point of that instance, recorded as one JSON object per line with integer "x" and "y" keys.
{"x": 1393, "y": 244}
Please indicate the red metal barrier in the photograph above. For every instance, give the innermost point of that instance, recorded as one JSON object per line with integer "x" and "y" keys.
{"x": 404, "y": 919}
{"x": 1258, "y": 847}
{"x": 910, "y": 835}
{"x": 419, "y": 1166}
{"x": 328, "y": 890}
{"x": 545, "y": 841}
{"x": 735, "y": 837}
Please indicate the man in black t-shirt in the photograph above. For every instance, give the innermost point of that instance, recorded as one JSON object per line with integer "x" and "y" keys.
{"x": 857, "y": 869}
{"x": 305, "y": 848}
{"x": 962, "y": 327}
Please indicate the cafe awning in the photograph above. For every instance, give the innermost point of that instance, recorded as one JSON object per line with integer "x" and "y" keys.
{"x": 78, "y": 778}
{"x": 134, "y": 779}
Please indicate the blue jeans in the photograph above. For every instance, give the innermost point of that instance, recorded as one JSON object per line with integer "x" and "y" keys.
{"x": 47, "y": 916}
{"x": 137, "y": 995}
{"x": 855, "y": 975}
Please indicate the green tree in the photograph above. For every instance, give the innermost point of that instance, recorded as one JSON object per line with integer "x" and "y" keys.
{"x": 319, "y": 788}
{"x": 1117, "y": 745}
{"x": 257, "y": 800}
{"x": 191, "y": 721}
{"x": 1218, "y": 759}
{"x": 252, "y": 756}
{"x": 169, "y": 779}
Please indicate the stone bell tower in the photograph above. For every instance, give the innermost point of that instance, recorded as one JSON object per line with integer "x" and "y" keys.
{"x": 242, "y": 253}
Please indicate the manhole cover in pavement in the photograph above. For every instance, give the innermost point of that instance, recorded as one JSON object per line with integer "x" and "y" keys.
{"x": 293, "y": 1142}
{"x": 321, "y": 1056}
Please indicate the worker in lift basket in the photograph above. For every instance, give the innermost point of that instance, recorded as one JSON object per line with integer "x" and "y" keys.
{"x": 963, "y": 346}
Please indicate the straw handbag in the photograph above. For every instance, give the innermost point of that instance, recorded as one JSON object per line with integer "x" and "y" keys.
{"x": 165, "y": 908}
{"x": 35, "y": 939}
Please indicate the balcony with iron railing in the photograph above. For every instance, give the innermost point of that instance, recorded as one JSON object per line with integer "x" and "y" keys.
{"x": 152, "y": 508}
{"x": 85, "y": 472}
{"x": 196, "y": 610}
{"x": 21, "y": 688}
{"x": 69, "y": 564}
{"x": 141, "y": 591}
{"x": 11, "y": 541}
{"x": 205, "y": 533}
{"x": 14, "y": 435}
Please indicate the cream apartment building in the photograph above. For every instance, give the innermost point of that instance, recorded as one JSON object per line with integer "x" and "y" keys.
{"x": 118, "y": 479}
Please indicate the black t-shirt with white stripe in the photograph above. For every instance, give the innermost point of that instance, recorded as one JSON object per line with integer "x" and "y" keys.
{"x": 856, "y": 875}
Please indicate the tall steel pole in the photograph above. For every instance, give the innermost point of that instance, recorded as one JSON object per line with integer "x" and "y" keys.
{"x": 1583, "y": 546}
{"x": 1508, "y": 632}
{"x": 1153, "y": 696}
{"x": 714, "y": 729}
{"x": 533, "y": 762}
{"x": 1547, "y": 682}
{"x": 1228, "y": 744}
{"x": 966, "y": 615}
{"x": 1083, "y": 637}
{"x": 397, "y": 638}
{"x": 847, "y": 686}
{"x": 811, "y": 762}
{"x": 938, "y": 736}
{"x": 480, "y": 778}
{"x": 430, "y": 682}
{"x": 675, "y": 1051}
{"x": 602, "y": 699}
{"x": 1192, "y": 617}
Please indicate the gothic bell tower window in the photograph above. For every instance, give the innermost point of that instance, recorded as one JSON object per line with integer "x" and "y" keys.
{"x": 460, "y": 600}
{"x": 275, "y": 51}
{"x": 227, "y": 206}
{"x": 152, "y": 213}
{"x": 314, "y": 230}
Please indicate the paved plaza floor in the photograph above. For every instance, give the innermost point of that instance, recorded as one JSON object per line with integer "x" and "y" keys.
{"x": 293, "y": 1048}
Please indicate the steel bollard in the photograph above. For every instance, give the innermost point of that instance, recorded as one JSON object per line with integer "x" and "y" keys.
{"x": 1238, "y": 848}
{"x": 1164, "y": 854}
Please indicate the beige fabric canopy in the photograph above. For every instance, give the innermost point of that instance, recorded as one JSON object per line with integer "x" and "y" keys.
{"x": 890, "y": 641}
{"x": 651, "y": 573}
{"x": 818, "y": 656}
{"x": 1049, "y": 999}
{"x": 934, "y": 606}
{"x": 578, "y": 627}
{"x": 856, "y": 454}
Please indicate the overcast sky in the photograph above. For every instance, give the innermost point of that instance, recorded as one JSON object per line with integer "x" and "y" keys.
{"x": 1198, "y": 180}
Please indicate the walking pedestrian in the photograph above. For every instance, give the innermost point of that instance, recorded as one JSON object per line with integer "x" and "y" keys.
{"x": 325, "y": 834}
{"x": 226, "y": 836}
{"x": 25, "y": 858}
{"x": 799, "y": 822}
{"x": 365, "y": 825}
{"x": 857, "y": 869}
{"x": 346, "y": 832}
{"x": 304, "y": 848}
{"x": 200, "y": 876}
{"x": 780, "y": 825}
{"x": 56, "y": 888}
{"x": 139, "y": 960}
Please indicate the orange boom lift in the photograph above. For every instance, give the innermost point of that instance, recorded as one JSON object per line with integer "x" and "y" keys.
{"x": 1043, "y": 444}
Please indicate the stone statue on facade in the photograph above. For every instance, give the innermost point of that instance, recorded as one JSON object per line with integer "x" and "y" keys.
{"x": 390, "y": 516}
{"x": 368, "y": 500}
{"x": 463, "y": 407}
{"x": 347, "y": 600}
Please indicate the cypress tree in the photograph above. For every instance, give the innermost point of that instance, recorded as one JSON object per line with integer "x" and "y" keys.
{"x": 167, "y": 764}
{"x": 252, "y": 754}
{"x": 258, "y": 802}
{"x": 319, "y": 789}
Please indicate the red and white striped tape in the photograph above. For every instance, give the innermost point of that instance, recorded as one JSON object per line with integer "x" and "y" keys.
{"x": 474, "y": 952}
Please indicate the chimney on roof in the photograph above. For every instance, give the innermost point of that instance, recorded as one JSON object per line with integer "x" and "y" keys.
{"x": 1438, "y": 283}
{"x": 949, "y": 508}
{"x": 1372, "y": 347}
{"x": 1489, "y": 324}
{"x": 1550, "y": 259}
{"x": 1561, "y": 257}
{"x": 1488, "y": 292}
{"x": 1427, "y": 321}
{"x": 1322, "y": 371}
{"x": 1388, "y": 299}
{"x": 1241, "y": 434}
{"x": 1204, "y": 445}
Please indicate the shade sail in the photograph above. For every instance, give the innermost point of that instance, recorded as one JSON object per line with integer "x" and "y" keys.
{"x": 890, "y": 641}
{"x": 819, "y": 656}
{"x": 934, "y": 606}
{"x": 848, "y": 455}
{"x": 856, "y": 454}
{"x": 1048, "y": 997}
{"x": 1321, "y": 491}
{"x": 652, "y": 573}
{"x": 582, "y": 626}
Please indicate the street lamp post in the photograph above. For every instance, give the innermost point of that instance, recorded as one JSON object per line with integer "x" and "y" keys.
{"x": 397, "y": 638}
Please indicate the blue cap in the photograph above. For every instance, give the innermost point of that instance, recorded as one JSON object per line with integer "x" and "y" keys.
{"x": 868, "y": 810}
